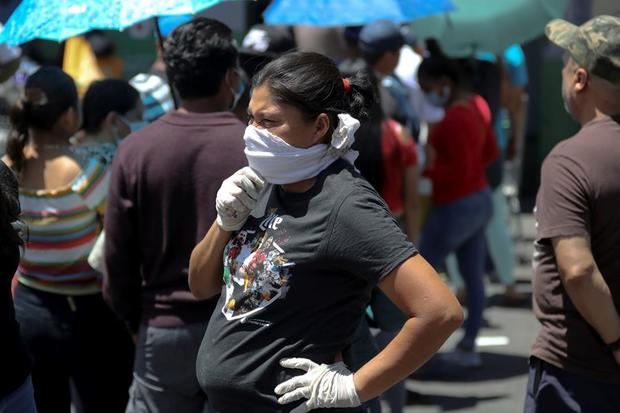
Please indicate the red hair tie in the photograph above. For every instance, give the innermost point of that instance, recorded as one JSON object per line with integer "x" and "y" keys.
{"x": 347, "y": 86}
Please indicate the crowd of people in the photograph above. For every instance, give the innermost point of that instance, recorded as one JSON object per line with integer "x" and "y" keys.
{"x": 262, "y": 229}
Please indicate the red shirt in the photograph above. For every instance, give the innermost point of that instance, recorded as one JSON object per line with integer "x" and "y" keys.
{"x": 398, "y": 153}
{"x": 464, "y": 145}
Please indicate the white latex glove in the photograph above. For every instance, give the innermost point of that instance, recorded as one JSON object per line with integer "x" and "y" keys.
{"x": 237, "y": 197}
{"x": 325, "y": 386}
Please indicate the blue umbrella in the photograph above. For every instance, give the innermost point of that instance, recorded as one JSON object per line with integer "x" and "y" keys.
{"x": 351, "y": 12}
{"x": 61, "y": 19}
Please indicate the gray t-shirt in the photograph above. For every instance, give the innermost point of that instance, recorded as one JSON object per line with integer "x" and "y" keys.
{"x": 297, "y": 280}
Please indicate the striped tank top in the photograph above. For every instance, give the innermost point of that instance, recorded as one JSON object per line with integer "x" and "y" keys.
{"x": 62, "y": 228}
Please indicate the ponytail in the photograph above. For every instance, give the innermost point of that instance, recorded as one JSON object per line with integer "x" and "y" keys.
{"x": 361, "y": 96}
{"x": 434, "y": 49}
{"x": 365, "y": 105}
{"x": 48, "y": 94}
{"x": 19, "y": 116}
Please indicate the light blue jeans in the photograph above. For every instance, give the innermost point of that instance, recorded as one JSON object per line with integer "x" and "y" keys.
{"x": 20, "y": 401}
{"x": 459, "y": 227}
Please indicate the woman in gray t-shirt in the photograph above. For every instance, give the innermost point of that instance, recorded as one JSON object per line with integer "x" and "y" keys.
{"x": 300, "y": 241}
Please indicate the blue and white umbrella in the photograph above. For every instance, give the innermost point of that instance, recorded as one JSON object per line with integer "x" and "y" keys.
{"x": 351, "y": 12}
{"x": 61, "y": 19}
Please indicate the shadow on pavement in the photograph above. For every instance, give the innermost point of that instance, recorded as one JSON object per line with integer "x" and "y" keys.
{"x": 499, "y": 300}
{"x": 495, "y": 367}
{"x": 448, "y": 403}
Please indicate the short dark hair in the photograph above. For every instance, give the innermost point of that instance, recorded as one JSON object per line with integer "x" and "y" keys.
{"x": 103, "y": 97}
{"x": 438, "y": 67}
{"x": 313, "y": 84}
{"x": 197, "y": 55}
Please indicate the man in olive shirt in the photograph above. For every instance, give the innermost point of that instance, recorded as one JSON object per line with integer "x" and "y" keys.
{"x": 575, "y": 363}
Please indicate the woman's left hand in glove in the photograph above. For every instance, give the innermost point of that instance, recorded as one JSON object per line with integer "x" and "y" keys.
{"x": 324, "y": 385}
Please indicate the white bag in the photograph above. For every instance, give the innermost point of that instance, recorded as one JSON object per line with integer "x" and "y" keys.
{"x": 96, "y": 258}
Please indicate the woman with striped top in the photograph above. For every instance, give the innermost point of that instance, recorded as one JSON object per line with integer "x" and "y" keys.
{"x": 64, "y": 321}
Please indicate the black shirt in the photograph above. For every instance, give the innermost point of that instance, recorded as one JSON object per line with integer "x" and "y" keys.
{"x": 14, "y": 360}
{"x": 297, "y": 279}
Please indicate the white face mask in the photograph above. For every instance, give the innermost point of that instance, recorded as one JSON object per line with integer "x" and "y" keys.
{"x": 437, "y": 99}
{"x": 280, "y": 163}
{"x": 135, "y": 125}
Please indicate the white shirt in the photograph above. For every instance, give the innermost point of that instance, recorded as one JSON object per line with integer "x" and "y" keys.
{"x": 407, "y": 72}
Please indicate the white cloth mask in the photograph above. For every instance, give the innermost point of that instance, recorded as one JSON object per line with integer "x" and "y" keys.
{"x": 437, "y": 99}
{"x": 280, "y": 163}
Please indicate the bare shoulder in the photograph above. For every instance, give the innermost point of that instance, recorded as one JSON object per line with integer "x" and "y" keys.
{"x": 56, "y": 172}
{"x": 7, "y": 161}
{"x": 68, "y": 166}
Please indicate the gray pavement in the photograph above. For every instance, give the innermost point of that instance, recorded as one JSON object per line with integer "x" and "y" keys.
{"x": 499, "y": 386}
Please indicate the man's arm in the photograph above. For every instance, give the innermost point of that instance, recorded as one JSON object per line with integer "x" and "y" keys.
{"x": 123, "y": 280}
{"x": 586, "y": 287}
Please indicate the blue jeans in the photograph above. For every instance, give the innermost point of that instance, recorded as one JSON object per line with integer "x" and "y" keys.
{"x": 499, "y": 243}
{"x": 20, "y": 401}
{"x": 459, "y": 227}
{"x": 551, "y": 389}
{"x": 75, "y": 339}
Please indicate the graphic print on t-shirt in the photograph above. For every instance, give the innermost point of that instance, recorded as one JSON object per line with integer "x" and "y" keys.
{"x": 256, "y": 272}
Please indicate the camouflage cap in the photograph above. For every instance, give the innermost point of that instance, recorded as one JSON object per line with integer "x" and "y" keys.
{"x": 595, "y": 45}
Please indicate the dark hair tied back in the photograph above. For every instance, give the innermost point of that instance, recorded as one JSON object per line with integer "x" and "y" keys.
{"x": 361, "y": 97}
{"x": 437, "y": 64}
{"x": 313, "y": 84}
{"x": 48, "y": 94}
{"x": 19, "y": 116}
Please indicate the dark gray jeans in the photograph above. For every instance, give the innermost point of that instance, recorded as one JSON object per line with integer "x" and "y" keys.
{"x": 164, "y": 377}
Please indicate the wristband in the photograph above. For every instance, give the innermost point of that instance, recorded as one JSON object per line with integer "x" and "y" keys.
{"x": 614, "y": 346}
